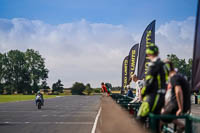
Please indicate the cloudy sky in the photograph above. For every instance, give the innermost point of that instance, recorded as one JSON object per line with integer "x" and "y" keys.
{"x": 86, "y": 40}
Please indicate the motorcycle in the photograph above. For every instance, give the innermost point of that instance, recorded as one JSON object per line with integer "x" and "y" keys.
{"x": 39, "y": 102}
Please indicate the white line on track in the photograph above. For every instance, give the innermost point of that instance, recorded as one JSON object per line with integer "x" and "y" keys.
{"x": 58, "y": 123}
{"x": 69, "y": 115}
{"x": 96, "y": 120}
{"x": 36, "y": 111}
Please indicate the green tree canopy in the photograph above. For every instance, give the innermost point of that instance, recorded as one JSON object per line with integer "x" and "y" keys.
{"x": 58, "y": 86}
{"x": 36, "y": 67}
{"x": 183, "y": 67}
{"x": 21, "y": 71}
{"x": 77, "y": 88}
{"x": 88, "y": 89}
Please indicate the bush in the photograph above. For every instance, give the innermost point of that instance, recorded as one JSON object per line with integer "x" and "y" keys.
{"x": 97, "y": 90}
{"x": 55, "y": 93}
{"x": 88, "y": 91}
{"x": 77, "y": 88}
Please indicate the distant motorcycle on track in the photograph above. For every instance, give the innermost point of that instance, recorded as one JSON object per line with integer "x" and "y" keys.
{"x": 38, "y": 102}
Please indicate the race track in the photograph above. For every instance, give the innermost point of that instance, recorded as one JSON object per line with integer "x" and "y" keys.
{"x": 68, "y": 114}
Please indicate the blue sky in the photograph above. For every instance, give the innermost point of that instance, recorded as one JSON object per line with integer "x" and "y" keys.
{"x": 133, "y": 13}
{"x": 87, "y": 40}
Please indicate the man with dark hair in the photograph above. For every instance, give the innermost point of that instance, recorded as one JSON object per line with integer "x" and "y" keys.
{"x": 179, "y": 100}
{"x": 155, "y": 84}
{"x": 104, "y": 89}
{"x": 109, "y": 87}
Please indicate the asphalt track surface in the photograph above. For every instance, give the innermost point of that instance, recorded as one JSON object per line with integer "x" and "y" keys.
{"x": 68, "y": 114}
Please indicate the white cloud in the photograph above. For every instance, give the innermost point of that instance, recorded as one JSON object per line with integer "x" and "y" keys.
{"x": 89, "y": 52}
{"x": 78, "y": 51}
{"x": 176, "y": 37}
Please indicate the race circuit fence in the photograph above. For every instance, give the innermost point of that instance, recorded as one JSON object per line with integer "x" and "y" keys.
{"x": 192, "y": 123}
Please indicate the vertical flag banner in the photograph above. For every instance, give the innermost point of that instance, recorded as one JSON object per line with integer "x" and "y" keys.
{"x": 125, "y": 73}
{"x": 133, "y": 54}
{"x": 148, "y": 38}
{"x": 196, "y": 54}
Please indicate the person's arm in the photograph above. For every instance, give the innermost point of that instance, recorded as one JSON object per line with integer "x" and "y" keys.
{"x": 129, "y": 81}
{"x": 149, "y": 80}
{"x": 140, "y": 96}
{"x": 127, "y": 93}
{"x": 179, "y": 98}
{"x": 102, "y": 90}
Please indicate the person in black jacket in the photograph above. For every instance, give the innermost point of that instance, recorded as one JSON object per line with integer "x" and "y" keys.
{"x": 155, "y": 85}
{"x": 179, "y": 100}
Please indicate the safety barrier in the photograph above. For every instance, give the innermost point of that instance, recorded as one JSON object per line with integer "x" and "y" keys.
{"x": 154, "y": 121}
{"x": 195, "y": 124}
{"x": 192, "y": 123}
{"x": 124, "y": 101}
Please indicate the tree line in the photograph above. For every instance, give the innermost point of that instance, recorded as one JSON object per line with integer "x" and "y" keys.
{"x": 22, "y": 72}
{"x": 184, "y": 67}
{"x": 26, "y": 73}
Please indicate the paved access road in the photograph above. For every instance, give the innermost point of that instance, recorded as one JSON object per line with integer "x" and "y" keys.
{"x": 68, "y": 114}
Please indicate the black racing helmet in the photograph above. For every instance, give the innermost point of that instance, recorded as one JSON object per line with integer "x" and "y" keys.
{"x": 152, "y": 50}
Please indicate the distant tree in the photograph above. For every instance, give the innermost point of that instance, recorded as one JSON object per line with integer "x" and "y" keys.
{"x": 97, "y": 90}
{"x": 21, "y": 71}
{"x": 183, "y": 67}
{"x": 1, "y": 73}
{"x": 44, "y": 86}
{"x": 116, "y": 88}
{"x": 77, "y": 88}
{"x": 15, "y": 71}
{"x": 36, "y": 66}
{"x": 58, "y": 86}
{"x": 88, "y": 89}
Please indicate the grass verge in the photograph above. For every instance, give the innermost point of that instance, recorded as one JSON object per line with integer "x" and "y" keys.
{"x": 13, "y": 98}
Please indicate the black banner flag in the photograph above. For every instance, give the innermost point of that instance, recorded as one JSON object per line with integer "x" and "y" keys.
{"x": 196, "y": 54}
{"x": 148, "y": 38}
{"x": 133, "y": 54}
{"x": 125, "y": 73}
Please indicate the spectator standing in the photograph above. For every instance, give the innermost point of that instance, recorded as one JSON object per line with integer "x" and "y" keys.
{"x": 139, "y": 86}
{"x": 155, "y": 85}
{"x": 104, "y": 89}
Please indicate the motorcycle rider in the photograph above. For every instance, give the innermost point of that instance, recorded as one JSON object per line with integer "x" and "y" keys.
{"x": 39, "y": 95}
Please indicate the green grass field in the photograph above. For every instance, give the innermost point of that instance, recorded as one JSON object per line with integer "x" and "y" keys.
{"x": 13, "y": 98}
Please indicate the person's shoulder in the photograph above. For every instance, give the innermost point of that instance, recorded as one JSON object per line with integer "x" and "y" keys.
{"x": 139, "y": 81}
{"x": 160, "y": 63}
{"x": 156, "y": 62}
{"x": 175, "y": 77}
{"x": 151, "y": 66}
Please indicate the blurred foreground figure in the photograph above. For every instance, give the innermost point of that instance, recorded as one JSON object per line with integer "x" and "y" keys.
{"x": 177, "y": 98}
{"x": 153, "y": 92}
